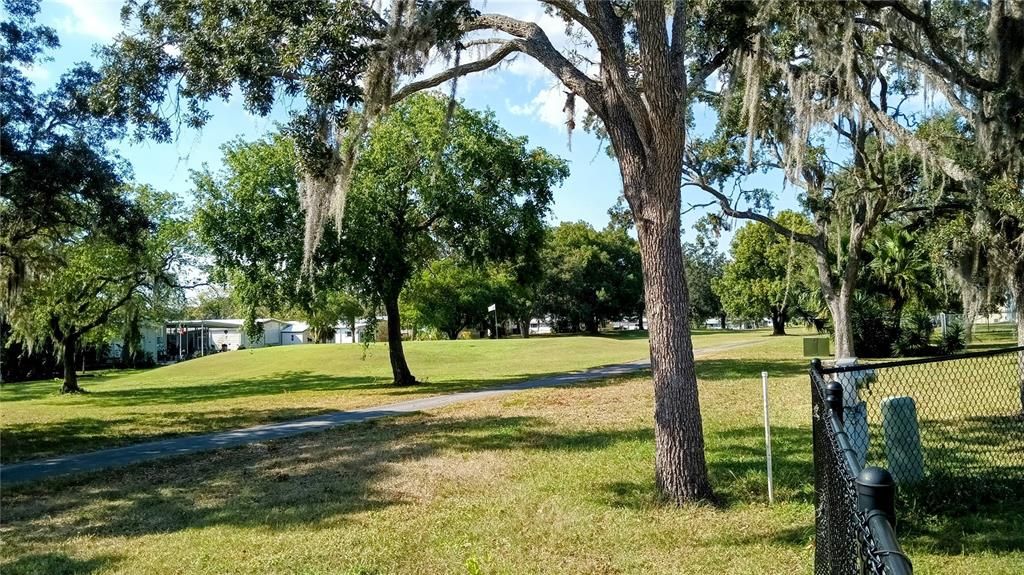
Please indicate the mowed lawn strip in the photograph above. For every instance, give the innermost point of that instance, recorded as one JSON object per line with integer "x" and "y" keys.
{"x": 545, "y": 481}
{"x": 250, "y": 387}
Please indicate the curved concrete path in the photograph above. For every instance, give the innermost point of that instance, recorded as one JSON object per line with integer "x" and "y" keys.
{"x": 121, "y": 456}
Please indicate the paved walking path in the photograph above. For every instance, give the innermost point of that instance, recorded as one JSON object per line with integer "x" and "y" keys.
{"x": 138, "y": 453}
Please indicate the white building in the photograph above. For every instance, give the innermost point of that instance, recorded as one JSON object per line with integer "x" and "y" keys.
{"x": 295, "y": 332}
{"x": 540, "y": 326}
{"x": 152, "y": 344}
{"x": 197, "y": 337}
{"x": 190, "y": 338}
{"x": 343, "y": 331}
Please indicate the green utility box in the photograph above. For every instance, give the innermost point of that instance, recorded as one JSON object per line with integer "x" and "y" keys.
{"x": 816, "y": 346}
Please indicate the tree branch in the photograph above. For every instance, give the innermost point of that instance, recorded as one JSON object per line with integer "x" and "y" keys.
{"x": 509, "y": 47}
{"x": 724, "y": 202}
{"x": 568, "y": 8}
{"x": 956, "y": 71}
{"x": 531, "y": 40}
{"x": 614, "y": 68}
{"x": 909, "y": 139}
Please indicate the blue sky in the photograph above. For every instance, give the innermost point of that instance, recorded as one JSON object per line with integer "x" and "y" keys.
{"x": 524, "y": 97}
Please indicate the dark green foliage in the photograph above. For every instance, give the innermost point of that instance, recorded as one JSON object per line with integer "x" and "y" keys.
{"x": 704, "y": 267}
{"x": 590, "y": 276}
{"x": 194, "y": 51}
{"x": 450, "y": 295}
{"x": 249, "y": 220}
{"x": 955, "y": 338}
{"x": 59, "y": 179}
{"x": 765, "y": 277}
{"x": 874, "y": 334}
{"x": 80, "y": 250}
{"x": 915, "y": 334}
{"x": 419, "y": 193}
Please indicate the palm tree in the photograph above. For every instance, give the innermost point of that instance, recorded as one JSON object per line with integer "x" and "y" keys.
{"x": 899, "y": 264}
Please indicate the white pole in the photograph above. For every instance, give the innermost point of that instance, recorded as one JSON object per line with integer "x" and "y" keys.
{"x": 767, "y": 436}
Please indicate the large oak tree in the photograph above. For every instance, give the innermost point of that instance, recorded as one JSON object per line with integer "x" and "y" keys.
{"x": 652, "y": 56}
{"x": 422, "y": 189}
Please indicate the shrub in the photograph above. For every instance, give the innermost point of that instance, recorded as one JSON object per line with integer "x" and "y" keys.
{"x": 955, "y": 338}
{"x": 915, "y": 334}
{"x": 874, "y": 334}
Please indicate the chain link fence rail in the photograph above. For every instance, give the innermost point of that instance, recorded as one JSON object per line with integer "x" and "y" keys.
{"x": 941, "y": 429}
{"x": 854, "y": 506}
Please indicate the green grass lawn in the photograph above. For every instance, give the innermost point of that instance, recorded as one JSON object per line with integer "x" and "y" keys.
{"x": 250, "y": 387}
{"x": 544, "y": 481}
{"x": 987, "y": 334}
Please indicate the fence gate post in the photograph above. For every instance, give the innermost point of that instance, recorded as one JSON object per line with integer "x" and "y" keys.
{"x": 876, "y": 490}
{"x": 834, "y": 398}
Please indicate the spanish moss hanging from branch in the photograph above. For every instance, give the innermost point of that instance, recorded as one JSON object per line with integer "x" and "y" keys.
{"x": 570, "y": 116}
{"x": 326, "y": 165}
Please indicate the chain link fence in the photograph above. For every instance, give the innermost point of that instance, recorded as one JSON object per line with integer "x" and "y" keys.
{"x": 932, "y": 420}
{"x": 946, "y": 429}
{"x": 854, "y": 507}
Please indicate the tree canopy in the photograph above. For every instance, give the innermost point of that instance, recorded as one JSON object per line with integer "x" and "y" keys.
{"x": 590, "y": 276}
{"x": 100, "y": 278}
{"x": 764, "y": 277}
{"x": 60, "y": 179}
{"x": 422, "y": 189}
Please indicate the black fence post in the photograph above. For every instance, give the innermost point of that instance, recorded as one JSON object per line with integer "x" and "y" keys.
{"x": 876, "y": 499}
{"x": 834, "y": 398}
{"x": 876, "y": 490}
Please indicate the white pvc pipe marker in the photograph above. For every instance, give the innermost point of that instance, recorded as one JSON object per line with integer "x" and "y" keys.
{"x": 767, "y": 436}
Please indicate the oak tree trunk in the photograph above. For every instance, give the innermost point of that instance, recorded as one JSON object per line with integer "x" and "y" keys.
{"x": 970, "y": 301}
{"x": 399, "y": 367}
{"x": 842, "y": 323}
{"x": 680, "y": 467}
{"x": 778, "y": 322}
{"x": 70, "y": 384}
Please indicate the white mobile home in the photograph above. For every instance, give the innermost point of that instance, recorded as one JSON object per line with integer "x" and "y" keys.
{"x": 152, "y": 345}
{"x": 540, "y": 326}
{"x": 191, "y": 338}
{"x": 343, "y": 332}
{"x": 295, "y": 332}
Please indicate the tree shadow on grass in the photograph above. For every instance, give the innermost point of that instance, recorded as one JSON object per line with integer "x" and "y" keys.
{"x": 313, "y": 479}
{"x": 55, "y": 564}
{"x": 25, "y": 441}
{"x": 739, "y": 370}
{"x": 81, "y": 434}
{"x": 738, "y": 465}
{"x": 965, "y": 526}
{"x": 276, "y": 383}
{"x": 40, "y": 389}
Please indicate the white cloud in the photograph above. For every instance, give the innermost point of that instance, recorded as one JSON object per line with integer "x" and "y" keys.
{"x": 100, "y": 19}
{"x": 36, "y": 74}
{"x": 548, "y": 107}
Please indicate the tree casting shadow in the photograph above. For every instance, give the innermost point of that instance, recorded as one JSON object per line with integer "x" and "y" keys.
{"x": 306, "y": 480}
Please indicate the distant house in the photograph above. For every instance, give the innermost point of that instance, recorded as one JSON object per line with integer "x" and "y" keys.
{"x": 295, "y": 332}
{"x": 343, "y": 331}
{"x": 189, "y": 338}
{"x": 196, "y": 337}
{"x": 540, "y": 326}
{"x": 152, "y": 344}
